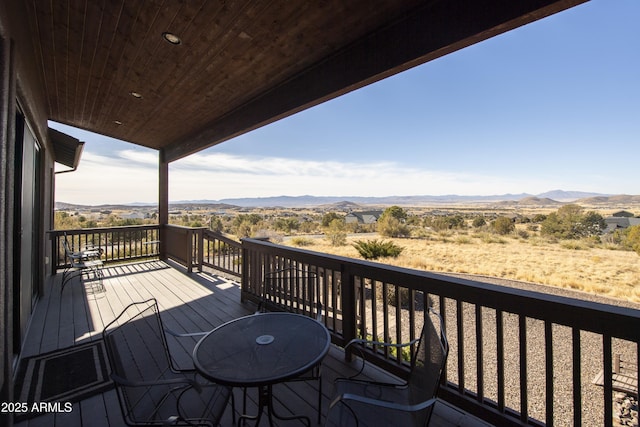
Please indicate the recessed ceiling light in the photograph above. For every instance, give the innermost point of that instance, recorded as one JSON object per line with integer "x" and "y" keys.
{"x": 136, "y": 95}
{"x": 118, "y": 122}
{"x": 171, "y": 38}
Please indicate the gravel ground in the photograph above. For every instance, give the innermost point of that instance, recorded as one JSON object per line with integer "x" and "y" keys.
{"x": 591, "y": 356}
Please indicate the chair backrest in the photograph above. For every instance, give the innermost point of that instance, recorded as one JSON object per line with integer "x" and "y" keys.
{"x": 428, "y": 363}
{"x": 71, "y": 257}
{"x": 294, "y": 290}
{"x": 68, "y": 250}
{"x": 138, "y": 352}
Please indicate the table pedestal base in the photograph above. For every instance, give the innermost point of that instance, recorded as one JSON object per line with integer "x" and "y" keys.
{"x": 265, "y": 400}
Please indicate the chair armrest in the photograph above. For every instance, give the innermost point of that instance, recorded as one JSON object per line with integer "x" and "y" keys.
{"x": 184, "y": 335}
{"x": 92, "y": 251}
{"x": 382, "y": 403}
{"x": 320, "y": 313}
{"x": 85, "y": 255}
{"x": 378, "y": 343}
{"x": 185, "y": 381}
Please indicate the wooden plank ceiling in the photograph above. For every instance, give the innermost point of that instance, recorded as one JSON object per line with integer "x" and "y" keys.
{"x": 239, "y": 64}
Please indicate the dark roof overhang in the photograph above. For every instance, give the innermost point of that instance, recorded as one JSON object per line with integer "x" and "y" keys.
{"x": 67, "y": 149}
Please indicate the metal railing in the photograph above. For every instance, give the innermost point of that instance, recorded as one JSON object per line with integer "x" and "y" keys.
{"x": 222, "y": 253}
{"x": 191, "y": 247}
{"x": 118, "y": 244}
{"x": 517, "y": 357}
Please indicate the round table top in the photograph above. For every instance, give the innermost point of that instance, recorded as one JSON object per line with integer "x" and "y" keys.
{"x": 261, "y": 349}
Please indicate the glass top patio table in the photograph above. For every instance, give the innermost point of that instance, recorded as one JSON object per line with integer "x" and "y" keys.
{"x": 261, "y": 349}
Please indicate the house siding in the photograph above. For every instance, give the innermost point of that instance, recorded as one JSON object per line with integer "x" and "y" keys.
{"x": 20, "y": 97}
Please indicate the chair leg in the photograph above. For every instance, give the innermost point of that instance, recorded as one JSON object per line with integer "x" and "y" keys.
{"x": 67, "y": 276}
{"x": 319, "y": 397}
{"x": 233, "y": 408}
{"x": 98, "y": 276}
{"x": 244, "y": 400}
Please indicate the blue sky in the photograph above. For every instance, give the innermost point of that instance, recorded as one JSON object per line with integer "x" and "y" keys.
{"x": 552, "y": 105}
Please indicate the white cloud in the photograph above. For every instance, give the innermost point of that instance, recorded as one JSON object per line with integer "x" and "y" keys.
{"x": 218, "y": 176}
{"x": 132, "y": 176}
{"x": 101, "y": 180}
{"x": 146, "y": 158}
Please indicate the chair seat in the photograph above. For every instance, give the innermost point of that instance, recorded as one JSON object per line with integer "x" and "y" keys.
{"x": 344, "y": 413}
{"x": 157, "y": 404}
{"x": 87, "y": 264}
{"x": 374, "y": 391}
{"x": 342, "y": 417}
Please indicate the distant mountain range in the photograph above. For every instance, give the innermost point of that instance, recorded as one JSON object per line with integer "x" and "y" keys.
{"x": 550, "y": 198}
{"x": 306, "y": 201}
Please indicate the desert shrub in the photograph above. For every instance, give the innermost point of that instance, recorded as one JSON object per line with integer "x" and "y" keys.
{"x": 479, "y": 222}
{"x": 444, "y": 235}
{"x": 246, "y": 225}
{"x": 523, "y": 234}
{"x": 463, "y": 240}
{"x": 391, "y": 224}
{"x": 374, "y": 249}
{"x": 222, "y": 248}
{"x": 503, "y": 225}
{"x": 571, "y": 222}
{"x": 490, "y": 238}
{"x": 286, "y": 225}
{"x": 536, "y": 241}
{"x": 329, "y": 217}
{"x": 395, "y": 212}
{"x": 539, "y": 218}
{"x": 308, "y": 227}
{"x": 420, "y": 233}
{"x": 448, "y": 222}
{"x": 215, "y": 224}
{"x": 301, "y": 241}
{"x": 336, "y": 234}
{"x": 632, "y": 238}
{"x": 611, "y": 246}
{"x": 576, "y": 245}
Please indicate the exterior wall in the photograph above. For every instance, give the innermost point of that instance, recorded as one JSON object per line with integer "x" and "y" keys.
{"x": 7, "y": 92}
{"x": 20, "y": 90}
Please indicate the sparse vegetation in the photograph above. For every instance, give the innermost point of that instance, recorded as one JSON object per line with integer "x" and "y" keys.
{"x": 392, "y": 223}
{"x": 503, "y": 225}
{"x": 301, "y": 241}
{"x": 374, "y": 249}
{"x": 336, "y": 233}
{"x": 632, "y": 238}
{"x": 563, "y": 247}
{"x": 571, "y": 222}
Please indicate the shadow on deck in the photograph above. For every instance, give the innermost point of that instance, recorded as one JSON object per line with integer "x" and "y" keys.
{"x": 189, "y": 302}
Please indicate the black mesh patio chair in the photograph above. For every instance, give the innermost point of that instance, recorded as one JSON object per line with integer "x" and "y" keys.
{"x": 297, "y": 291}
{"x": 362, "y": 403}
{"x": 151, "y": 389}
{"x": 82, "y": 262}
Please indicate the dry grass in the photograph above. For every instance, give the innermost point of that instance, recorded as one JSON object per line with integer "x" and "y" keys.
{"x": 577, "y": 265}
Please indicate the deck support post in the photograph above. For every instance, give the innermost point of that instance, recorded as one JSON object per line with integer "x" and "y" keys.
{"x": 163, "y": 203}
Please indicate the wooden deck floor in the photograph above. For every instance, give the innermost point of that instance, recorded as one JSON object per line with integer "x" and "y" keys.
{"x": 189, "y": 302}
